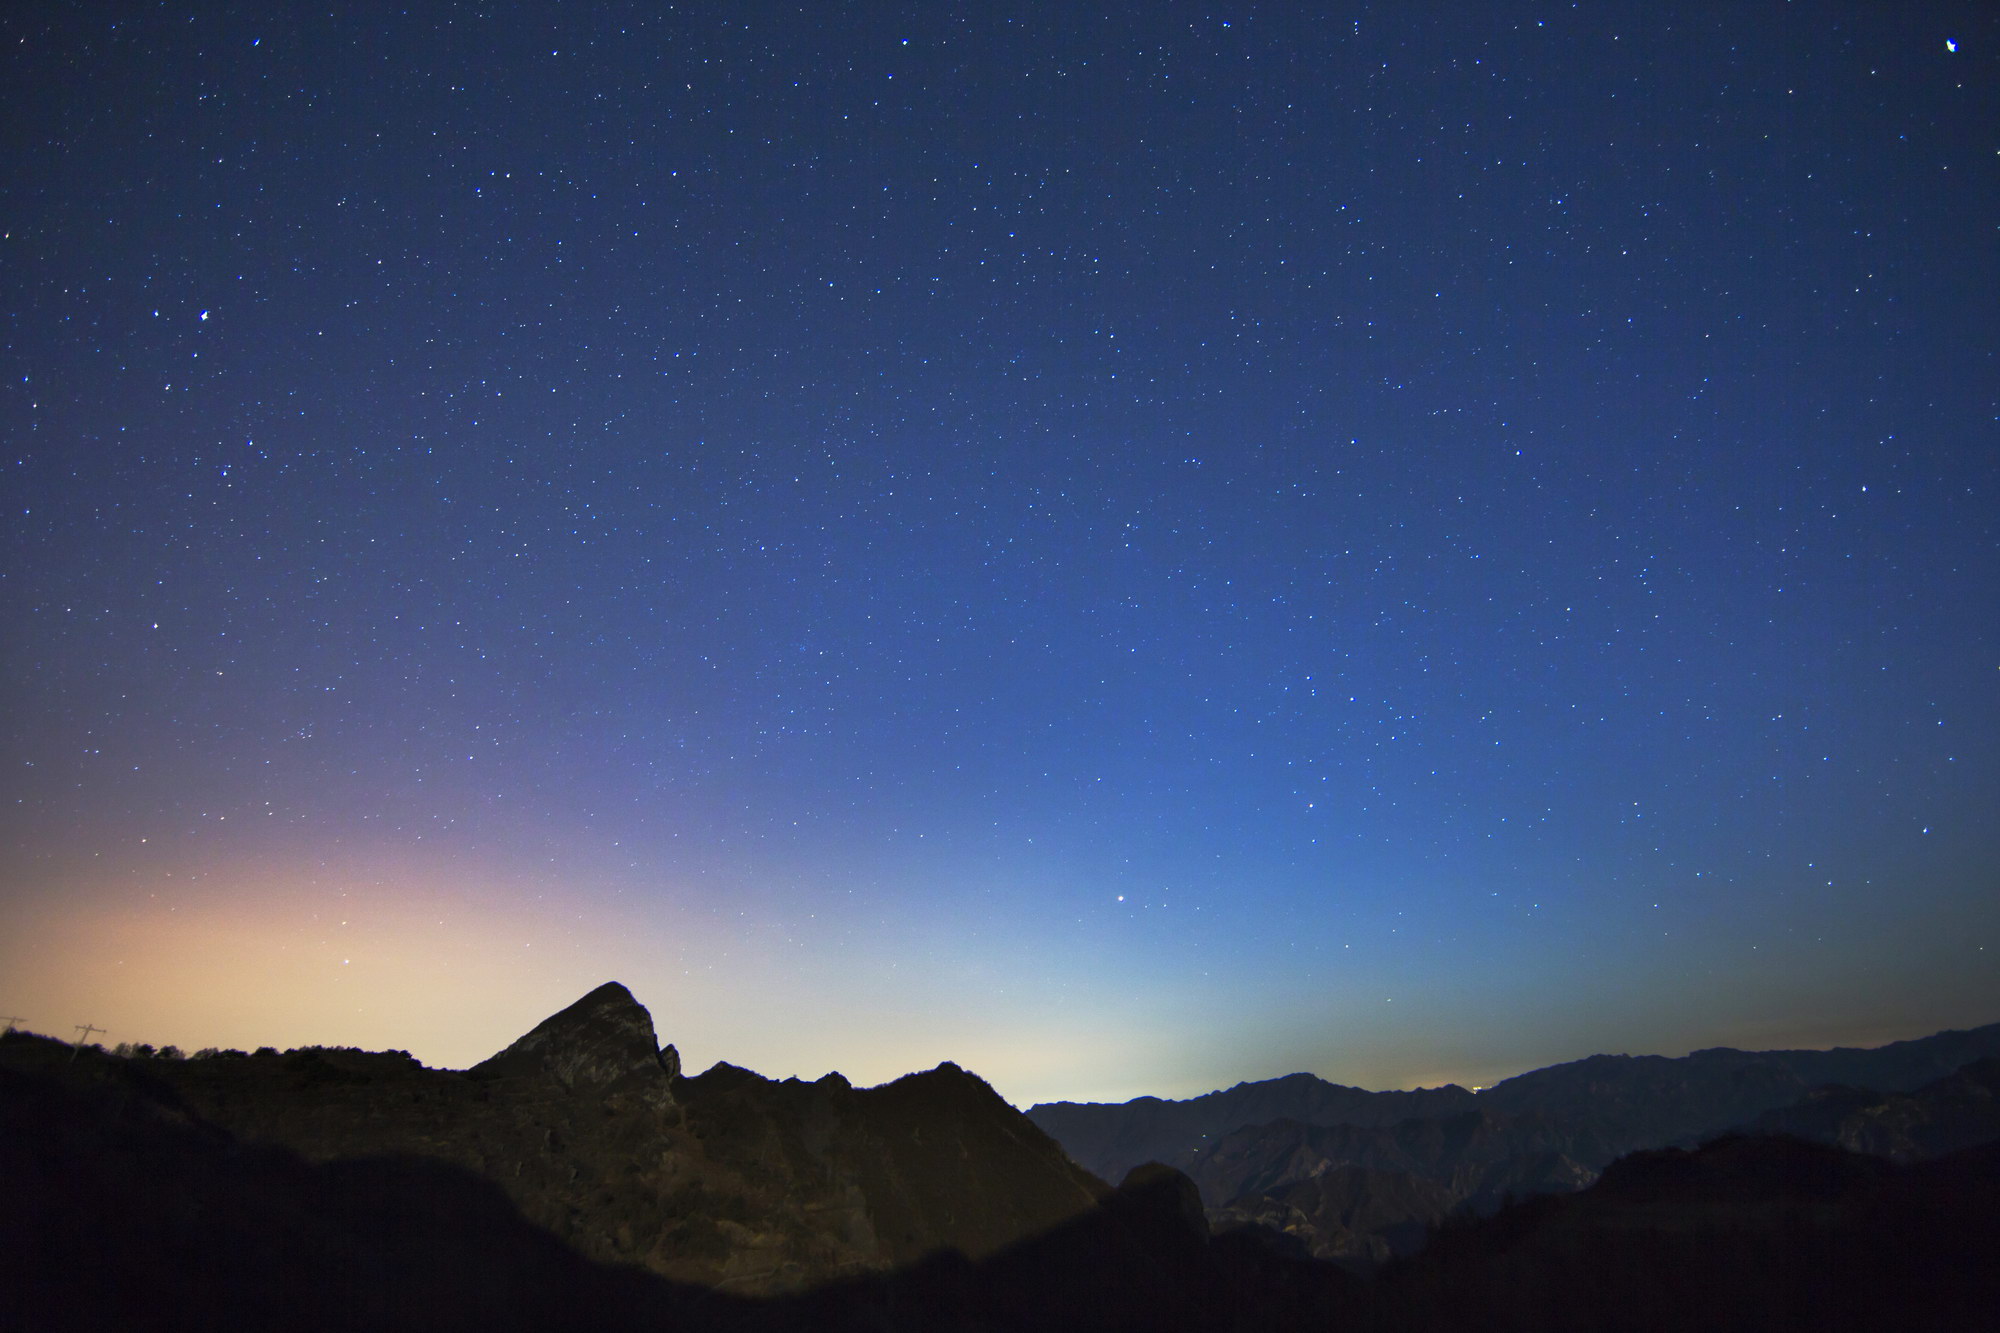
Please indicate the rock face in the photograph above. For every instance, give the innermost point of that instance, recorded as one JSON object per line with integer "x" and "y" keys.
{"x": 727, "y": 1179}
{"x": 602, "y": 1043}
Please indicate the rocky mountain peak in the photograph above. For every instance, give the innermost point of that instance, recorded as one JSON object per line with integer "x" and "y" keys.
{"x": 604, "y": 1041}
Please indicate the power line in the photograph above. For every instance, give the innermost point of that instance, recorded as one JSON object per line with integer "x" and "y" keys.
{"x": 83, "y": 1031}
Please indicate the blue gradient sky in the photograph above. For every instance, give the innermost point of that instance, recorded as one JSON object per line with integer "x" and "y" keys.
{"x": 1131, "y": 550}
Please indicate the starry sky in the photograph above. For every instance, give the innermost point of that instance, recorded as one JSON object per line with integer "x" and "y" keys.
{"x": 1129, "y": 547}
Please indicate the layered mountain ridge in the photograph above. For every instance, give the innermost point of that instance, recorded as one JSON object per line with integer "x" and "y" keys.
{"x": 1110, "y": 1139}
{"x": 1359, "y": 1176}
{"x": 1624, "y": 1102}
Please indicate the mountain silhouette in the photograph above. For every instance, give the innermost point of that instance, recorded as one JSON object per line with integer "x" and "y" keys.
{"x": 576, "y": 1180}
{"x": 1110, "y": 1139}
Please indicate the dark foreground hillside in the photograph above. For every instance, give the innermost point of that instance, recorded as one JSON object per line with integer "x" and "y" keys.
{"x": 1742, "y": 1233}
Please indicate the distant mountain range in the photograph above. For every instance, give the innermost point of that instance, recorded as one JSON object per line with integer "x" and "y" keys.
{"x": 1632, "y": 1102}
{"x": 1109, "y": 1139}
{"x": 578, "y": 1180}
{"x": 1359, "y": 1176}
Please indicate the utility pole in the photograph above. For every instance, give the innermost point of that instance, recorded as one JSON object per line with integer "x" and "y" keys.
{"x": 10, "y": 1020}
{"x": 83, "y": 1031}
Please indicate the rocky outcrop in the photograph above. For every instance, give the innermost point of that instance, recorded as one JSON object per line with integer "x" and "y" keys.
{"x": 603, "y": 1043}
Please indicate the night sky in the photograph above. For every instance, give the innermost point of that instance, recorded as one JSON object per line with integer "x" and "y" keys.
{"x": 1130, "y": 549}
